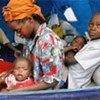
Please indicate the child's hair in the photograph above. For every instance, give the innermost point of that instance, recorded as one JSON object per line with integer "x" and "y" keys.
{"x": 23, "y": 58}
{"x": 84, "y": 39}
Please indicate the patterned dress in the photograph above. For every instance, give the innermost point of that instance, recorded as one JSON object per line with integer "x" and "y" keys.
{"x": 47, "y": 55}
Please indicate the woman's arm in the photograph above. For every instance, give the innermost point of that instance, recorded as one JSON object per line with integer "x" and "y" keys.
{"x": 16, "y": 51}
{"x": 35, "y": 87}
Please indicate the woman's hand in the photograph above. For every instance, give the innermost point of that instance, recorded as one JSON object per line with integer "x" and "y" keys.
{"x": 17, "y": 53}
{"x": 2, "y": 77}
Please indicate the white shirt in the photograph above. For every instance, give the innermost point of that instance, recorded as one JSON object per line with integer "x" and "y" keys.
{"x": 88, "y": 59}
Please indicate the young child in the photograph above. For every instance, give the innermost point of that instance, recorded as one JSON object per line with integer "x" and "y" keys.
{"x": 77, "y": 43}
{"x": 21, "y": 75}
{"x": 70, "y": 50}
{"x": 87, "y": 59}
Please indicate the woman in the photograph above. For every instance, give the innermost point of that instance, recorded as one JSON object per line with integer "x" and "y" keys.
{"x": 26, "y": 19}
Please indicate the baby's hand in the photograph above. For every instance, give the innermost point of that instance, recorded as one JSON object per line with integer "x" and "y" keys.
{"x": 75, "y": 49}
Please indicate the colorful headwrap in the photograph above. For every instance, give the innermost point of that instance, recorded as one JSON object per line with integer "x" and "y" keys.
{"x": 19, "y": 9}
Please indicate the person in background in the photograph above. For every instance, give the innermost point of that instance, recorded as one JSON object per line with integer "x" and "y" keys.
{"x": 87, "y": 59}
{"x": 20, "y": 75}
{"x": 46, "y": 50}
{"x": 4, "y": 41}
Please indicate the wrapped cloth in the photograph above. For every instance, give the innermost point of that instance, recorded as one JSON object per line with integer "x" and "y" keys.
{"x": 19, "y": 9}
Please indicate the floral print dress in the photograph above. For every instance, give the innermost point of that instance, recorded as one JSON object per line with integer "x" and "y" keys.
{"x": 47, "y": 55}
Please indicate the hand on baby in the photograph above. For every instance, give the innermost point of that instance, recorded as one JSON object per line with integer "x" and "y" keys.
{"x": 3, "y": 76}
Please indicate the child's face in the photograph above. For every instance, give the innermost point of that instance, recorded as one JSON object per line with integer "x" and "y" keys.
{"x": 22, "y": 69}
{"x": 94, "y": 27}
{"x": 78, "y": 43}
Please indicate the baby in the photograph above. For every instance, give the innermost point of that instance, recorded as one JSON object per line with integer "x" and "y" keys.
{"x": 77, "y": 43}
{"x": 21, "y": 75}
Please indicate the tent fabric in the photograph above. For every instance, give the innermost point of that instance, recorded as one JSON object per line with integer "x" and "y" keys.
{"x": 83, "y": 10}
{"x": 3, "y": 25}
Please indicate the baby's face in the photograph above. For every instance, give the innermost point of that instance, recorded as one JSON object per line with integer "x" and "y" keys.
{"x": 22, "y": 70}
{"x": 94, "y": 27}
{"x": 78, "y": 43}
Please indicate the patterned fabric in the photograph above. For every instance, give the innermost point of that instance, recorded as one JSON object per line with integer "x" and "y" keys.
{"x": 13, "y": 83}
{"x": 47, "y": 55}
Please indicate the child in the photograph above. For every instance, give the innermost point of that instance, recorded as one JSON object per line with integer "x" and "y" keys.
{"x": 77, "y": 43}
{"x": 20, "y": 76}
{"x": 87, "y": 59}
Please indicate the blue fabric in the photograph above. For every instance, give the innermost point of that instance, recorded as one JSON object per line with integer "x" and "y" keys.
{"x": 83, "y": 10}
{"x": 78, "y": 6}
{"x": 9, "y": 33}
{"x": 80, "y": 94}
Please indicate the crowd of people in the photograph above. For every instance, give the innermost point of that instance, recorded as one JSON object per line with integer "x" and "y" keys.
{"x": 47, "y": 56}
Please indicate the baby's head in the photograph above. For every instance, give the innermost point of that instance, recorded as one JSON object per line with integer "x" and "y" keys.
{"x": 22, "y": 68}
{"x": 94, "y": 26}
{"x": 78, "y": 42}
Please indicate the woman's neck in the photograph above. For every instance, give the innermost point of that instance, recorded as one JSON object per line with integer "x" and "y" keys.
{"x": 36, "y": 27}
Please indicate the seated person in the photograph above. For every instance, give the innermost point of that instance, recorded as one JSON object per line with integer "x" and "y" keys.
{"x": 85, "y": 61}
{"x": 4, "y": 41}
{"x": 20, "y": 75}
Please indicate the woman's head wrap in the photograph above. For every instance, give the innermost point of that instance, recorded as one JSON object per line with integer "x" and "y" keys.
{"x": 19, "y": 9}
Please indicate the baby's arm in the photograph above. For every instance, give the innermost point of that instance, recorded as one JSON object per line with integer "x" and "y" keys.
{"x": 70, "y": 48}
{"x": 67, "y": 48}
{"x": 69, "y": 58}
